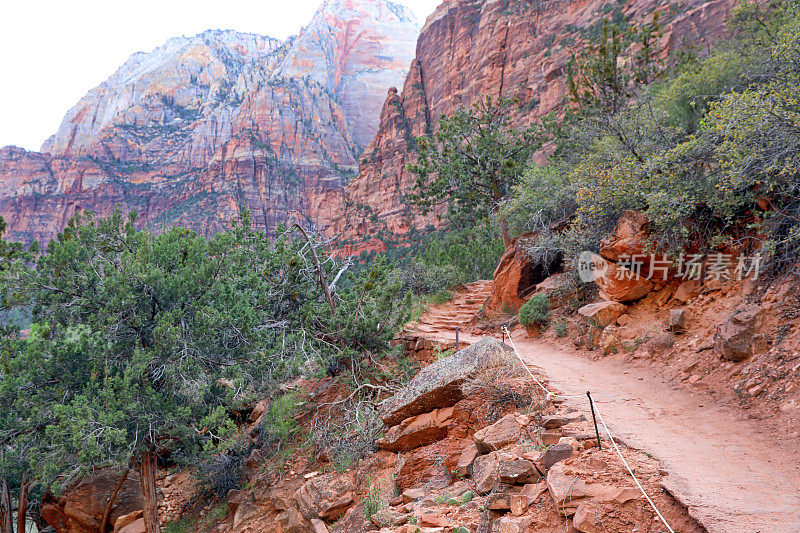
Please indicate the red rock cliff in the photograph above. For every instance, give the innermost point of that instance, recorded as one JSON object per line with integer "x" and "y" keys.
{"x": 469, "y": 48}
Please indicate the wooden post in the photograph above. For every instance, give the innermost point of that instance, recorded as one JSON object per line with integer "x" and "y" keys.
{"x": 456, "y": 338}
{"x": 149, "y": 494}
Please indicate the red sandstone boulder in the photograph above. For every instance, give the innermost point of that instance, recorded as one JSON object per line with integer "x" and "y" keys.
{"x": 629, "y": 237}
{"x": 734, "y": 337}
{"x": 489, "y": 470}
{"x": 80, "y": 508}
{"x": 621, "y": 284}
{"x": 517, "y": 276}
{"x": 424, "y": 465}
{"x": 137, "y": 526}
{"x": 327, "y": 497}
{"x": 440, "y": 384}
{"x": 601, "y": 314}
{"x": 505, "y": 431}
{"x": 417, "y": 431}
{"x": 569, "y": 490}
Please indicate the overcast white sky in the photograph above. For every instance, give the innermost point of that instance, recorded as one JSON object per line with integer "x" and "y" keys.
{"x": 52, "y": 52}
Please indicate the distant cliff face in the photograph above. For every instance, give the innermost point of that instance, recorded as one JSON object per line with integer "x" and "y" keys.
{"x": 514, "y": 48}
{"x": 203, "y": 126}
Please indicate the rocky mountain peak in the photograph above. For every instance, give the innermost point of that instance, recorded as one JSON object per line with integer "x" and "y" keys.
{"x": 202, "y": 126}
{"x": 356, "y": 48}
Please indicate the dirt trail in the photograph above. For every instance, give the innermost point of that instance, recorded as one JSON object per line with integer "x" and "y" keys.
{"x": 734, "y": 474}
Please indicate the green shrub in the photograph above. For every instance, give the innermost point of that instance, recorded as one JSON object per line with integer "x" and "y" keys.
{"x": 560, "y": 327}
{"x": 278, "y": 424}
{"x": 536, "y": 311}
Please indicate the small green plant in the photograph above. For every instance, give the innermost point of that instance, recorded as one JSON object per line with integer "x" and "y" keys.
{"x": 279, "y": 424}
{"x": 440, "y": 353}
{"x": 560, "y": 327}
{"x": 447, "y": 499}
{"x": 440, "y": 297}
{"x": 467, "y": 497}
{"x": 460, "y": 529}
{"x": 372, "y": 501}
{"x": 412, "y": 519}
{"x": 185, "y": 525}
{"x": 536, "y": 311}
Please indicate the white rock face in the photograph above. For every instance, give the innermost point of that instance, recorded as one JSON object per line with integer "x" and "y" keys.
{"x": 356, "y": 49}
{"x": 185, "y": 73}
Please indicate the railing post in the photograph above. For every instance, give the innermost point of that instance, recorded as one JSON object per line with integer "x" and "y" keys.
{"x": 456, "y": 338}
{"x": 596, "y": 431}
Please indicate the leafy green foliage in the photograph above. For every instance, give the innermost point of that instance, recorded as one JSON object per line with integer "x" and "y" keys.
{"x": 708, "y": 150}
{"x": 536, "y": 311}
{"x": 144, "y": 340}
{"x": 473, "y": 161}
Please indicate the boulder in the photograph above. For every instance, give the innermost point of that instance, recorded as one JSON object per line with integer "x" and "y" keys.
{"x": 354, "y": 521}
{"x": 589, "y": 517}
{"x": 411, "y": 495}
{"x": 293, "y": 521}
{"x": 424, "y": 464}
{"x": 621, "y": 284}
{"x": 417, "y": 431}
{"x": 243, "y": 511}
{"x": 489, "y": 470}
{"x": 687, "y": 290}
{"x": 81, "y": 506}
{"x": 554, "y": 454}
{"x": 568, "y": 490}
{"x": 557, "y": 421}
{"x": 440, "y": 384}
{"x": 676, "y": 322}
{"x": 319, "y": 526}
{"x": 601, "y": 314}
{"x": 434, "y": 519}
{"x": 518, "y": 504}
{"x": 628, "y": 239}
{"x": 513, "y": 524}
{"x": 465, "y": 460}
{"x": 484, "y": 472}
{"x": 127, "y": 519}
{"x": 326, "y": 497}
{"x": 505, "y": 431}
{"x": 517, "y": 275}
{"x": 137, "y": 526}
{"x": 609, "y": 340}
{"x": 532, "y": 491}
{"x": 734, "y": 337}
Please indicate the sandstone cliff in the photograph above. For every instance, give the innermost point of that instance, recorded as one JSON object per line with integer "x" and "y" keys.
{"x": 513, "y": 48}
{"x": 203, "y": 126}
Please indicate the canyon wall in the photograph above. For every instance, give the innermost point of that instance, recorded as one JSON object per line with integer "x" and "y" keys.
{"x": 510, "y": 48}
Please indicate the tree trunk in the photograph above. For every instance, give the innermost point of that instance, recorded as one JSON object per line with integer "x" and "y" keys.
{"x": 320, "y": 274}
{"x": 22, "y": 507}
{"x": 149, "y": 495}
{"x": 6, "y": 522}
{"x": 508, "y": 242}
{"x": 107, "y": 513}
